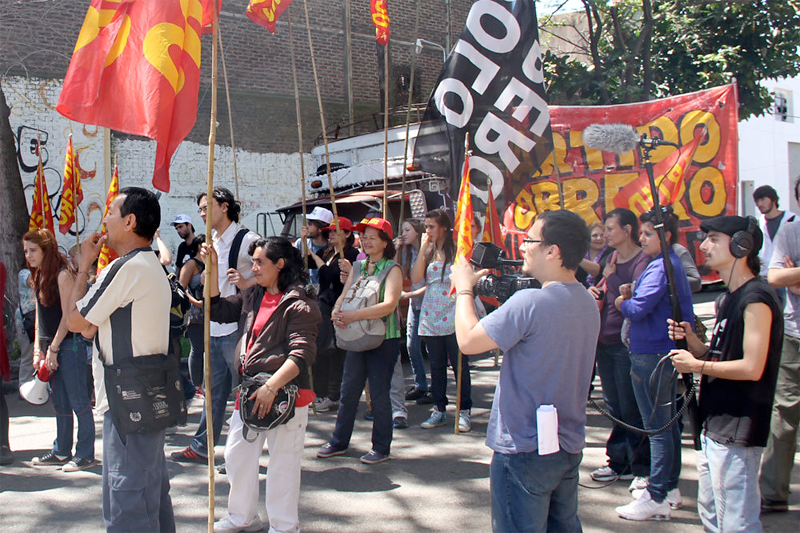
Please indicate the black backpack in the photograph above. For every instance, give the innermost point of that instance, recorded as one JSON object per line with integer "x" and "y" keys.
{"x": 180, "y": 301}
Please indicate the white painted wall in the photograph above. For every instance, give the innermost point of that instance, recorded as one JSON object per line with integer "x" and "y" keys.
{"x": 765, "y": 145}
{"x": 266, "y": 181}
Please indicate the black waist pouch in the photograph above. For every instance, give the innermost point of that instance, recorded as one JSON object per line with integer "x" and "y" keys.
{"x": 145, "y": 394}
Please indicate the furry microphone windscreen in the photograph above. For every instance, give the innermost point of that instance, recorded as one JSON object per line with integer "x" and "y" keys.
{"x": 616, "y": 138}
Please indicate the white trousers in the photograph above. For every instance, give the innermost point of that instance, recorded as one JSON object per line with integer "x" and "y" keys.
{"x": 285, "y": 444}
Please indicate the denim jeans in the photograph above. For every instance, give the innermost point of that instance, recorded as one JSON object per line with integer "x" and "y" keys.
{"x": 70, "y": 394}
{"x": 532, "y": 492}
{"x": 440, "y": 349}
{"x": 728, "y": 498}
{"x": 414, "y": 345}
{"x": 194, "y": 332}
{"x": 627, "y": 451}
{"x": 376, "y": 367}
{"x": 222, "y": 371}
{"x": 135, "y": 481}
{"x": 657, "y": 411}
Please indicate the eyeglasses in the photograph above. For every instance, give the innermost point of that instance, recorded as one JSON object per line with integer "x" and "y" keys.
{"x": 531, "y": 241}
{"x": 202, "y": 210}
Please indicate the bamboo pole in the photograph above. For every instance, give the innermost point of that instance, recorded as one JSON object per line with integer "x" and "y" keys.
{"x": 212, "y": 139}
{"x": 408, "y": 119}
{"x": 459, "y": 379}
{"x": 304, "y": 242}
{"x": 339, "y": 245}
{"x": 230, "y": 112}
{"x": 386, "y": 132}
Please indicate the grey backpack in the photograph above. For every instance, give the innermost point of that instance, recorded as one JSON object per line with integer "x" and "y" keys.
{"x": 363, "y": 335}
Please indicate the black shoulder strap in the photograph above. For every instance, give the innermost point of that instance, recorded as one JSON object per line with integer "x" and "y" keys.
{"x": 236, "y": 245}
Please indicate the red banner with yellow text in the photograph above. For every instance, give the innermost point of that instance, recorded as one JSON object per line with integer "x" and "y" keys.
{"x": 591, "y": 179}
{"x": 380, "y": 19}
{"x": 266, "y": 12}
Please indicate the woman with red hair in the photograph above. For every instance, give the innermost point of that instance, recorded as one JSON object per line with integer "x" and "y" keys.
{"x": 62, "y": 352}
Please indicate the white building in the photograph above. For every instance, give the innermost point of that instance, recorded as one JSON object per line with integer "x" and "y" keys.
{"x": 769, "y": 148}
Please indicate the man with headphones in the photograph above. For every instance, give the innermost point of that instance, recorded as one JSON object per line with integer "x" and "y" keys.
{"x": 738, "y": 374}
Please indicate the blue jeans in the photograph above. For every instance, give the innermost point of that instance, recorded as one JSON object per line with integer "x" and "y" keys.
{"x": 665, "y": 447}
{"x": 222, "y": 371}
{"x": 414, "y": 345}
{"x": 194, "y": 332}
{"x": 376, "y": 367}
{"x": 532, "y": 492}
{"x": 728, "y": 498}
{"x": 440, "y": 349}
{"x": 135, "y": 481}
{"x": 70, "y": 394}
{"x": 627, "y": 451}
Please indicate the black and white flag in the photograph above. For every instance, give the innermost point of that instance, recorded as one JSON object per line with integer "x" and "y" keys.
{"x": 492, "y": 87}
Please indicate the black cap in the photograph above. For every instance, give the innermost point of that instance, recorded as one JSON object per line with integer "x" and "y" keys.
{"x": 731, "y": 224}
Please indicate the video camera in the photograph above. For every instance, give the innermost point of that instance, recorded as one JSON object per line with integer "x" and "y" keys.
{"x": 488, "y": 255}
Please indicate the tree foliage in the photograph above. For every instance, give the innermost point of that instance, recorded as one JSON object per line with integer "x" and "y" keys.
{"x": 635, "y": 50}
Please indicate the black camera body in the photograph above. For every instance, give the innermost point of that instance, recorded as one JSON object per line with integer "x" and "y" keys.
{"x": 488, "y": 255}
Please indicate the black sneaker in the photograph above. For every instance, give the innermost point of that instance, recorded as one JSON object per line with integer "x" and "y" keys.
{"x": 373, "y": 458}
{"x": 50, "y": 459}
{"x": 76, "y": 465}
{"x": 774, "y": 506}
{"x": 427, "y": 399}
{"x": 188, "y": 455}
{"x": 6, "y": 457}
{"x": 415, "y": 394}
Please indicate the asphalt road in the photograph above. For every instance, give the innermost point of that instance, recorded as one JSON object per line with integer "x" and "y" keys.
{"x": 436, "y": 481}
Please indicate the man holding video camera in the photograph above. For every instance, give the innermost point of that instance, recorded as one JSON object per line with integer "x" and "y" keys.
{"x": 541, "y": 367}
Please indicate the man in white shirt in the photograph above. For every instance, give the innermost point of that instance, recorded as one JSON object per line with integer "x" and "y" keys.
{"x": 128, "y": 309}
{"x": 232, "y": 243}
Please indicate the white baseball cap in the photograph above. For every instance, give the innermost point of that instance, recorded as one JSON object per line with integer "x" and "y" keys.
{"x": 321, "y": 214}
{"x": 182, "y": 219}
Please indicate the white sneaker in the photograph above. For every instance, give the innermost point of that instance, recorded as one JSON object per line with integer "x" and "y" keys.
{"x": 674, "y": 498}
{"x": 644, "y": 508}
{"x": 325, "y": 404}
{"x": 639, "y": 483}
{"x": 606, "y": 473}
{"x": 437, "y": 419}
{"x": 464, "y": 422}
{"x": 225, "y": 526}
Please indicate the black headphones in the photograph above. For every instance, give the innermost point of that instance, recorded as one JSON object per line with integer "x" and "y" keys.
{"x": 743, "y": 242}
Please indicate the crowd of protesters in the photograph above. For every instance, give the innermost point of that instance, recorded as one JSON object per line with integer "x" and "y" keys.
{"x": 276, "y": 307}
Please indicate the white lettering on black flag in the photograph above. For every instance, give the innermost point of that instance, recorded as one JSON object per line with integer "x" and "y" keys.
{"x": 492, "y": 87}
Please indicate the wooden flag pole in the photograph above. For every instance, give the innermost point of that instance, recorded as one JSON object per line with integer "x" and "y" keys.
{"x": 386, "y": 131}
{"x": 230, "y": 112}
{"x": 212, "y": 139}
{"x": 459, "y": 379}
{"x": 304, "y": 242}
{"x": 339, "y": 244}
{"x": 408, "y": 119}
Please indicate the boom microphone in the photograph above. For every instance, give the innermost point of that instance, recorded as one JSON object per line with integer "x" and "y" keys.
{"x": 616, "y": 138}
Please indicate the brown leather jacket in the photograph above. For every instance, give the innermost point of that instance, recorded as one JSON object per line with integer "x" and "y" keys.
{"x": 290, "y": 332}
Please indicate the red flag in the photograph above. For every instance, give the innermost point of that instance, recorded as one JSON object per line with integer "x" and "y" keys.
{"x": 668, "y": 173}
{"x": 464, "y": 215}
{"x": 136, "y": 69}
{"x": 266, "y": 12}
{"x": 492, "y": 231}
{"x": 71, "y": 190}
{"x": 41, "y": 212}
{"x": 380, "y": 19}
{"x": 108, "y": 254}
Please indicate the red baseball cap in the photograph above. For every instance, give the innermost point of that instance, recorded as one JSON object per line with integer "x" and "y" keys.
{"x": 344, "y": 223}
{"x": 377, "y": 223}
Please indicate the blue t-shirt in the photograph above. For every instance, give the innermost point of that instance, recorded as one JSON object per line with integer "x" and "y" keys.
{"x": 549, "y": 338}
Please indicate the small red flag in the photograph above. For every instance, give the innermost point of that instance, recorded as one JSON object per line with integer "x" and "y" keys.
{"x": 380, "y": 18}
{"x": 71, "y": 190}
{"x": 464, "y": 215}
{"x": 266, "y": 12}
{"x": 108, "y": 254}
{"x": 41, "y": 211}
{"x": 492, "y": 231}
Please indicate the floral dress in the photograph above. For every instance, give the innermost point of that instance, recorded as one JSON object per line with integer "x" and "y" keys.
{"x": 437, "y": 316}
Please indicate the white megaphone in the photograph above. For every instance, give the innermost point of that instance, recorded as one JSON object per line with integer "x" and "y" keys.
{"x": 36, "y": 390}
